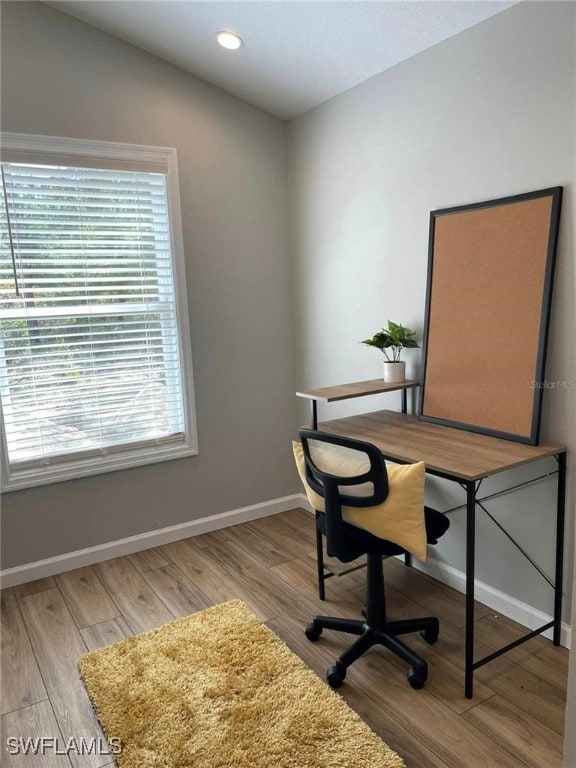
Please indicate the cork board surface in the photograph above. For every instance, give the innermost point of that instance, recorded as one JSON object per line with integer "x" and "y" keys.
{"x": 485, "y": 307}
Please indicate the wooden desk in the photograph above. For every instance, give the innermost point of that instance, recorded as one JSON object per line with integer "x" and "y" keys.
{"x": 454, "y": 453}
{"x": 465, "y": 458}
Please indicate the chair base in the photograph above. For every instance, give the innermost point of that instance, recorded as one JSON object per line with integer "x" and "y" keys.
{"x": 369, "y": 636}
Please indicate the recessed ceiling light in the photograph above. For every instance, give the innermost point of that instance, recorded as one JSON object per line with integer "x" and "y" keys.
{"x": 229, "y": 40}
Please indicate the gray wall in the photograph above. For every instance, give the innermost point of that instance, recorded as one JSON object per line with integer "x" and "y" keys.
{"x": 487, "y": 113}
{"x": 62, "y": 77}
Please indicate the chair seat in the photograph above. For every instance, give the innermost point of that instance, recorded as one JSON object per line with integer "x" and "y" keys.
{"x": 359, "y": 542}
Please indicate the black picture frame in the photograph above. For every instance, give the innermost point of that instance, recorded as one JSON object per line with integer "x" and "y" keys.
{"x": 488, "y": 301}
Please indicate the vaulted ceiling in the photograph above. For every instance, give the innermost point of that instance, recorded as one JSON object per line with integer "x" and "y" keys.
{"x": 296, "y": 54}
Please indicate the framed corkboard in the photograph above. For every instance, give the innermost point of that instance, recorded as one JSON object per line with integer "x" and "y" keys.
{"x": 490, "y": 276}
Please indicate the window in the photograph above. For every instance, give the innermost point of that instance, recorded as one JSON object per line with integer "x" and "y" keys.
{"x": 95, "y": 369}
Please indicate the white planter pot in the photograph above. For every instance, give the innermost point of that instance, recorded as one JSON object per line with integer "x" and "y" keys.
{"x": 394, "y": 372}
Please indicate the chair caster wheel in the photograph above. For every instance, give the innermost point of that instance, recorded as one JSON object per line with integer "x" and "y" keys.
{"x": 335, "y": 677}
{"x": 416, "y": 677}
{"x": 313, "y": 632}
{"x": 430, "y": 636}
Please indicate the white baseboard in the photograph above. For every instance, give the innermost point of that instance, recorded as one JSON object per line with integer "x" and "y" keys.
{"x": 82, "y": 557}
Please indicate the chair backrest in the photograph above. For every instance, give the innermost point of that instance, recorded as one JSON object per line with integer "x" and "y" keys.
{"x": 332, "y": 487}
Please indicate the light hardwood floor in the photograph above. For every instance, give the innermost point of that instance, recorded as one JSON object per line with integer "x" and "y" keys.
{"x": 515, "y": 719}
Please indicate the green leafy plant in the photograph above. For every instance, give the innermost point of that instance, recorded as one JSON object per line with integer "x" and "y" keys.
{"x": 392, "y": 340}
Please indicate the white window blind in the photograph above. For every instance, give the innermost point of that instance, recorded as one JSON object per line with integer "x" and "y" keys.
{"x": 90, "y": 348}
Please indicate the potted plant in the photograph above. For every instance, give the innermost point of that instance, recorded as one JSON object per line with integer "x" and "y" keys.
{"x": 391, "y": 341}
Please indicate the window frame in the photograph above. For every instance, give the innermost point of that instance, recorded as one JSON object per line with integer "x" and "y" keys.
{"x": 51, "y": 150}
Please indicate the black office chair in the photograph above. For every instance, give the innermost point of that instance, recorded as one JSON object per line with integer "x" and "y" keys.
{"x": 347, "y": 542}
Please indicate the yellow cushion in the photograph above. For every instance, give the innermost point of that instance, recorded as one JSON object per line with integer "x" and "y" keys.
{"x": 399, "y": 519}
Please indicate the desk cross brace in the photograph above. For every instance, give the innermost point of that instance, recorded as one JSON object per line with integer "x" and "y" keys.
{"x": 471, "y": 487}
{"x": 510, "y": 646}
{"x": 502, "y": 492}
{"x": 508, "y": 535}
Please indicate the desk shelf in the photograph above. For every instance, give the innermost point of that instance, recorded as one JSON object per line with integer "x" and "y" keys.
{"x": 354, "y": 389}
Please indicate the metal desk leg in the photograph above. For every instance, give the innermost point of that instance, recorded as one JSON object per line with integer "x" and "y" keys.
{"x": 320, "y": 561}
{"x": 560, "y": 511}
{"x": 470, "y": 566}
{"x": 403, "y": 393}
{"x": 314, "y": 414}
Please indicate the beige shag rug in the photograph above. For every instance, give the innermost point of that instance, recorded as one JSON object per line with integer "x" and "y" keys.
{"x": 218, "y": 689}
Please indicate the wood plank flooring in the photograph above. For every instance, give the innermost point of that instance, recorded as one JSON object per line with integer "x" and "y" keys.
{"x": 515, "y": 720}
